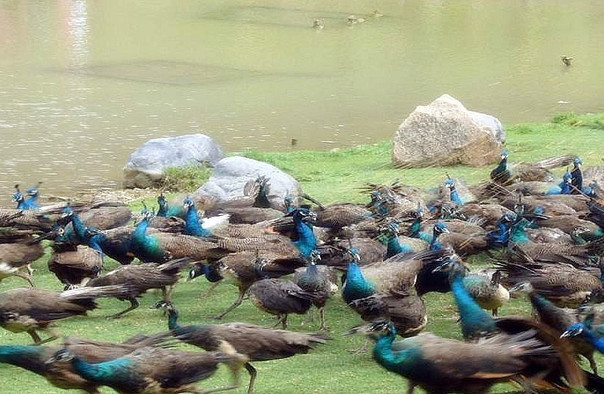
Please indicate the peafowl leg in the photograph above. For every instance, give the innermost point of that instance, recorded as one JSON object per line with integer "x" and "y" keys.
{"x": 166, "y": 292}
{"x": 53, "y": 335}
{"x": 253, "y": 373}
{"x": 209, "y": 291}
{"x": 28, "y": 278}
{"x": 323, "y": 326}
{"x": 34, "y": 335}
{"x": 592, "y": 362}
{"x": 235, "y": 371}
{"x": 362, "y": 349}
{"x": 411, "y": 387}
{"x": 237, "y": 302}
{"x": 310, "y": 317}
{"x": 495, "y": 312}
{"x": 282, "y": 320}
{"x": 133, "y": 305}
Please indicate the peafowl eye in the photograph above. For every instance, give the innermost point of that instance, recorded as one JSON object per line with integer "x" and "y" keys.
{"x": 62, "y": 355}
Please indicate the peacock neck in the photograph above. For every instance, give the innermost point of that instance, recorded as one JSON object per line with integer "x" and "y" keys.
{"x": 28, "y": 357}
{"x": 173, "y": 320}
{"x": 306, "y": 242}
{"x": 78, "y": 226}
{"x": 503, "y": 166}
{"x": 415, "y": 227}
{"x": 32, "y": 202}
{"x": 455, "y": 197}
{"x": 140, "y": 232}
{"x": 356, "y": 286}
{"x": 518, "y": 232}
{"x": 193, "y": 225}
{"x": 577, "y": 238}
{"x": 162, "y": 211}
{"x": 394, "y": 247}
{"x": 475, "y": 322}
{"x": 593, "y": 338}
{"x": 544, "y": 307}
{"x": 106, "y": 372}
{"x": 402, "y": 362}
{"x": 434, "y": 244}
{"x": 565, "y": 188}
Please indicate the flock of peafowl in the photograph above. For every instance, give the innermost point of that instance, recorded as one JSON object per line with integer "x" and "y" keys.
{"x": 542, "y": 239}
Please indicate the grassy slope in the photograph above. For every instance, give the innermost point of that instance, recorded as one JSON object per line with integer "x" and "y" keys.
{"x": 331, "y": 177}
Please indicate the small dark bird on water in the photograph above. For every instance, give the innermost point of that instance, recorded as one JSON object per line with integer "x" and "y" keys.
{"x": 566, "y": 60}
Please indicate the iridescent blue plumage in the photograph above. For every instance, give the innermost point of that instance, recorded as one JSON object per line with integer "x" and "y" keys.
{"x": 501, "y": 236}
{"x": 22, "y": 203}
{"x": 389, "y": 237}
{"x": 166, "y": 210}
{"x": 146, "y": 247}
{"x": 307, "y": 241}
{"x": 453, "y": 193}
{"x": 475, "y": 321}
{"x": 501, "y": 174}
{"x": 27, "y": 357}
{"x": 438, "y": 229}
{"x": 193, "y": 225}
{"x": 356, "y": 286}
{"x": 585, "y": 330}
{"x": 564, "y": 187}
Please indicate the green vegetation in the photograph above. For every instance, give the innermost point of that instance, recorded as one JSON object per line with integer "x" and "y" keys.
{"x": 332, "y": 176}
{"x": 185, "y": 179}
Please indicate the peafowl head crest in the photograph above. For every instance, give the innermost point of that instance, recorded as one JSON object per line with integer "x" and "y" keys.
{"x": 452, "y": 265}
{"x": 289, "y": 203}
{"x": 146, "y": 214}
{"x": 522, "y": 288}
{"x": 450, "y": 182}
{"x": 577, "y": 162}
{"x": 354, "y": 254}
{"x": 61, "y": 356}
{"x": 373, "y": 330}
{"x": 315, "y": 257}
{"x": 419, "y": 211}
{"x": 504, "y": 154}
{"x": 188, "y": 202}
{"x": 259, "y": 263}
{"x": 567, "y": 177}
{"x": 195, "y": 271}
{"x": 507, "y": 218}
{"x": 34, "y": 190}
{"x": 167, "y": 306}
{"x": 440, "y": 228}
{"x": 304, "y": 215}
{"x": 17, "y": 196}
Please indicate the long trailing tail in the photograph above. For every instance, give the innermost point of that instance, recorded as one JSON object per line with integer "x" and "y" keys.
{"x": 176, "y": 264}
{"x": 594, "y": 384}
{"x": 566, "y": 365}
{"x": 111, "y": 291}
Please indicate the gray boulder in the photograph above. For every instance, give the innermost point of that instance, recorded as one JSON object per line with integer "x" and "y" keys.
{"x": 232, "y": 173}
{"x": 446, "y": 133}
{"x": 147, "y": 163}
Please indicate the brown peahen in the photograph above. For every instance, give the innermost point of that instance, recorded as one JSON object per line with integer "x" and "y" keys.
{"x": 256, "y": 342}
{"x": 18, "y": 249}
{"x": 31, "y": 310}
{"x": 140, "y": 278}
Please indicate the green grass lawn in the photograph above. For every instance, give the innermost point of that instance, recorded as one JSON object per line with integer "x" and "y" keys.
{"x": 332, "y": 176}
